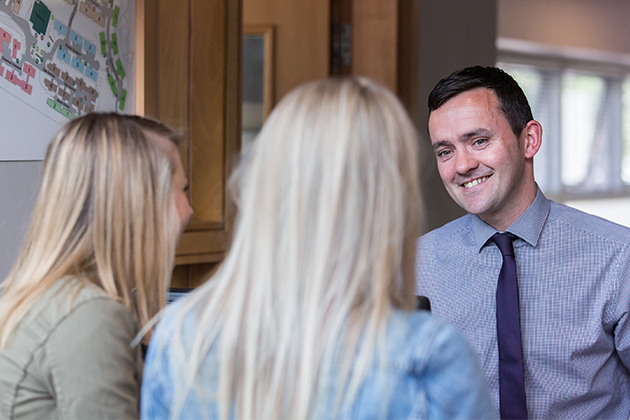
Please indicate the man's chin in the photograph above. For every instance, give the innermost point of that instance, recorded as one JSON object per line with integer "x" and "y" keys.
{"x": 474, "y": 208}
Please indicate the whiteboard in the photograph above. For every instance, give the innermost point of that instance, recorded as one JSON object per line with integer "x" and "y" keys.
{"x": 60, "y": 59}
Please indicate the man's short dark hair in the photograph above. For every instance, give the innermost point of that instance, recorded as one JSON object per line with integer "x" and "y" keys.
{"x": 512, "y": 100}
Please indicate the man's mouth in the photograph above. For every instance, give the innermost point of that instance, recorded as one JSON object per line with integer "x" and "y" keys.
{"x": 474, "y": 182}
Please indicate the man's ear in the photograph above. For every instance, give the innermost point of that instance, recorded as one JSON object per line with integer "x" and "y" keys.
{"x": 532, "y": 134}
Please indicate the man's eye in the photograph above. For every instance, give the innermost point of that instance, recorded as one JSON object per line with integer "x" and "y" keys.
{"x": 480, "y": 142}
{"x": 444, "y": 153}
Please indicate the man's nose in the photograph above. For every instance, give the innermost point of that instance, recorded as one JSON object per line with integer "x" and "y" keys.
{"x": 465, "y": 162}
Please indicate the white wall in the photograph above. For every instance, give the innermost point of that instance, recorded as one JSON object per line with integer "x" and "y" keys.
{"x": 590, "y": 24}
{"x": 19, "y": 183}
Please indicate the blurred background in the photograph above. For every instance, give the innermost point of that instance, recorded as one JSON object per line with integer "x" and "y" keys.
{"x": 572, "y": 60}
{"x": 214, "y": 69}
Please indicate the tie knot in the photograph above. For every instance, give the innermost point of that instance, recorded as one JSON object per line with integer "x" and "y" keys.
{"x": 504, "y": 242}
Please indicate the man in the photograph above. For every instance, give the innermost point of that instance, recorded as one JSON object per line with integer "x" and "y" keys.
{"x": 569, "y": 354}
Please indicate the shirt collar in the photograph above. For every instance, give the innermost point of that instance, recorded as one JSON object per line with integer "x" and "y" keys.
{"x": 528, "y": 226}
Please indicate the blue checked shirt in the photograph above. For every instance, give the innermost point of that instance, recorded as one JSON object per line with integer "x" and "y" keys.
{"x": 574, "y": 291}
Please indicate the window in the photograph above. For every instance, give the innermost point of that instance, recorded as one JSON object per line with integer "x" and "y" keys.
{"x": 584, "y": 108}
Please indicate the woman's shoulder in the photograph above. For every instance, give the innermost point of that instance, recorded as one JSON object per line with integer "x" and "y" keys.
{"x": 417, "y": 325}
{"x": 83, "y": 305}
{"x": 70, "y": 337}
{"x": 67, "y": 312}
{"x": 418, "y": 336}
{"x": 176, "y": 320}
{"x": 94, "y": 333}
{"x": 68, "y": 308}
{"x": 437, "y": 354}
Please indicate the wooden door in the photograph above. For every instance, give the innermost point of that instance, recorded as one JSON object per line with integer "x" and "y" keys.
{"x": 191, "y": 82}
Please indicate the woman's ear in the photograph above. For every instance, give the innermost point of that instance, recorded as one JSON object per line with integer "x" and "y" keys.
{"x": 533, "y": 138}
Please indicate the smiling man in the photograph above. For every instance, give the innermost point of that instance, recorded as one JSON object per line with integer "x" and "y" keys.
{"x": 540, "y": 290}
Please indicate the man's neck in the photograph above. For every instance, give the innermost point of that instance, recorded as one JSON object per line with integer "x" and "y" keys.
{"x": 502, "y": 219}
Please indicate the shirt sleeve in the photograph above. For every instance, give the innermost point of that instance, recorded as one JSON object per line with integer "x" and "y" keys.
{"x": 456, "y": 387}
{"x": 94, "y": 371}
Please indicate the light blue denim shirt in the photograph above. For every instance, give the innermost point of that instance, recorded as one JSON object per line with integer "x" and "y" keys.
{"x": 431, "y": 373}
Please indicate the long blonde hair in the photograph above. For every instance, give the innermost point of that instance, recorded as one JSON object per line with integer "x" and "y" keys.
{"x": 101, "y": 219}
{"x": 329, "y": 212}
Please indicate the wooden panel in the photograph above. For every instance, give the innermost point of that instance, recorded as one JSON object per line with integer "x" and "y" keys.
{"x": 146, "y": 70}
{"x": 233, "y": 104}
{"x": 208, "y": 67}
{"x": 302, "y": 50}
{"x": 375, "y": 40}
{"x": 201, "y": 242}
{"x": 200, "y": 273}
{"x": 172, "y": 68}
{"x": 141, "y": 57}
{"x": 408, "y": 88}
{"x": 193, "y": 275}
{"x": 192, "y": 83}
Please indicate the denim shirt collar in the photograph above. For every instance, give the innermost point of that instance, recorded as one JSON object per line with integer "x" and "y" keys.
{"x": 527, "y": 227}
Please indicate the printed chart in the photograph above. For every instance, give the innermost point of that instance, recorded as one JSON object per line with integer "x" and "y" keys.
{"x": 60, "y": 59}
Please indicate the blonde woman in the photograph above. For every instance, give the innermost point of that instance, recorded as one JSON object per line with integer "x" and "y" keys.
{"x": 94, "y": 267}
{"x": 312, "y": 313}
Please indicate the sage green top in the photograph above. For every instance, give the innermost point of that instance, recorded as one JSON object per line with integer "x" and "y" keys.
{"x": 71, "y": 359}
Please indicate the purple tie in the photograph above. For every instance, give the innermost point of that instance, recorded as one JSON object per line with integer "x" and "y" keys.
{"x": 511, "y": 378}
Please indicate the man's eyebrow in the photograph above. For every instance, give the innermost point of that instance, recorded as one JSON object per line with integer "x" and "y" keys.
{"x": 475, "y": 133}
{"x": 463, "y": 138}
{"x": 441, "y": 143}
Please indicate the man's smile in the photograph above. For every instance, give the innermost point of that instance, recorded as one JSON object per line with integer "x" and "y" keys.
{"x": 476, "y": 181}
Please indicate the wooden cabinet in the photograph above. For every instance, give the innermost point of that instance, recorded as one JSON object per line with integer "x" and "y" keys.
{"x": 302, "y": 39}
{"x": 189, "y": 77}
{"x": 190, "y": 80}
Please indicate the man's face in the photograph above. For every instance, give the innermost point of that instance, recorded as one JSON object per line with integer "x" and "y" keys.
{"x": 480, "y": 160}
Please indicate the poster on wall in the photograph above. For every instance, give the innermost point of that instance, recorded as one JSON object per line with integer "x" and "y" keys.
{"x": 60, "y": 59}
